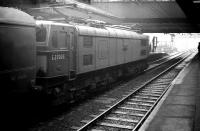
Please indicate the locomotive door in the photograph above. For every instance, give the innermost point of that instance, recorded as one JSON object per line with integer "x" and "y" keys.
{"x": 72, "y": 54}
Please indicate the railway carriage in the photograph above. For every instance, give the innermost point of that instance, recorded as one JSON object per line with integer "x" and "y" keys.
{"x": 17, "y": 51}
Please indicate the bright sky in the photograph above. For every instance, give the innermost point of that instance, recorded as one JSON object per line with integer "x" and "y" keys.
{"x": 182, "y": 41}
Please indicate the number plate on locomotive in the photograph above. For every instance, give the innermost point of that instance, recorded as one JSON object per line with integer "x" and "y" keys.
{"x": 57, "y": 56}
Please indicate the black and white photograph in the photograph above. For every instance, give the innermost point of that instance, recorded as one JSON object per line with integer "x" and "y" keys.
{"x": 100, "y": 65}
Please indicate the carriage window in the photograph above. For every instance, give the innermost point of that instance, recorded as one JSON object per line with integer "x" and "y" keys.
{"x": 41, "y": 33}
{"x": 87, "y": 41}
{"x": 87, "y": 59}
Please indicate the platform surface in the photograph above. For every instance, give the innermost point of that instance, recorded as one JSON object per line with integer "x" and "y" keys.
{"x": 180, "y": 110}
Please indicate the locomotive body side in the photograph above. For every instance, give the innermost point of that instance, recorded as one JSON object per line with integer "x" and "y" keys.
{"x": 103, "y": 48}
{"x": 17, "y": 55}
{"x": 104, "y": 55}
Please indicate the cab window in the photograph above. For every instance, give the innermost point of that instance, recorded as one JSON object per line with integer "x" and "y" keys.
{"x": 54, "y": 39}
{"x": 41, "y": 33}
{"x": 62, "y": 39}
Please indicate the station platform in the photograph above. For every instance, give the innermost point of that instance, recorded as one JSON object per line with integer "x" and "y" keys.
{"x": 179, "y": 109}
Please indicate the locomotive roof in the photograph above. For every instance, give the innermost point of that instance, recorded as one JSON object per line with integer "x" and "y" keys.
{"x": 111, "y": 32}
{"x": 15, "y": 16}
{"x": 92, "y": 31}
{"x": 52, "y": 23}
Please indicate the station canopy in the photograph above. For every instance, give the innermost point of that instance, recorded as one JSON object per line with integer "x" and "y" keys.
{"x": 152, "y": 16}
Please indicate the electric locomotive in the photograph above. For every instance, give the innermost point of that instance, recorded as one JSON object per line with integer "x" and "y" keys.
{"x": 74, "y": 59}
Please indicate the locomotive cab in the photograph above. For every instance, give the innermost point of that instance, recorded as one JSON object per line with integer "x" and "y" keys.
{"x": 55, "y": 53}
{"x": 17, "y": 50}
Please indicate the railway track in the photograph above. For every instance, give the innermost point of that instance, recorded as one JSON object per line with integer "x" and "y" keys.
{"x": 131, "y": 111}
{"x": 162, "y": 61}
{"x": 165, "y": 58}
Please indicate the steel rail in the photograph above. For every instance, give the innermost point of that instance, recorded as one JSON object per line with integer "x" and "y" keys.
{"x": 159, "y": 64}
{"x": 165, "y": 57}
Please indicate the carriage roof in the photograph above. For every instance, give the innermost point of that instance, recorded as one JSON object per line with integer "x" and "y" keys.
{"x": 15, "y": 16}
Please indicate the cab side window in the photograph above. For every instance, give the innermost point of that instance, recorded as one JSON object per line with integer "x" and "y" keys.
{"x": 62, "y": 40}
{"x": 67, "y": 39}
